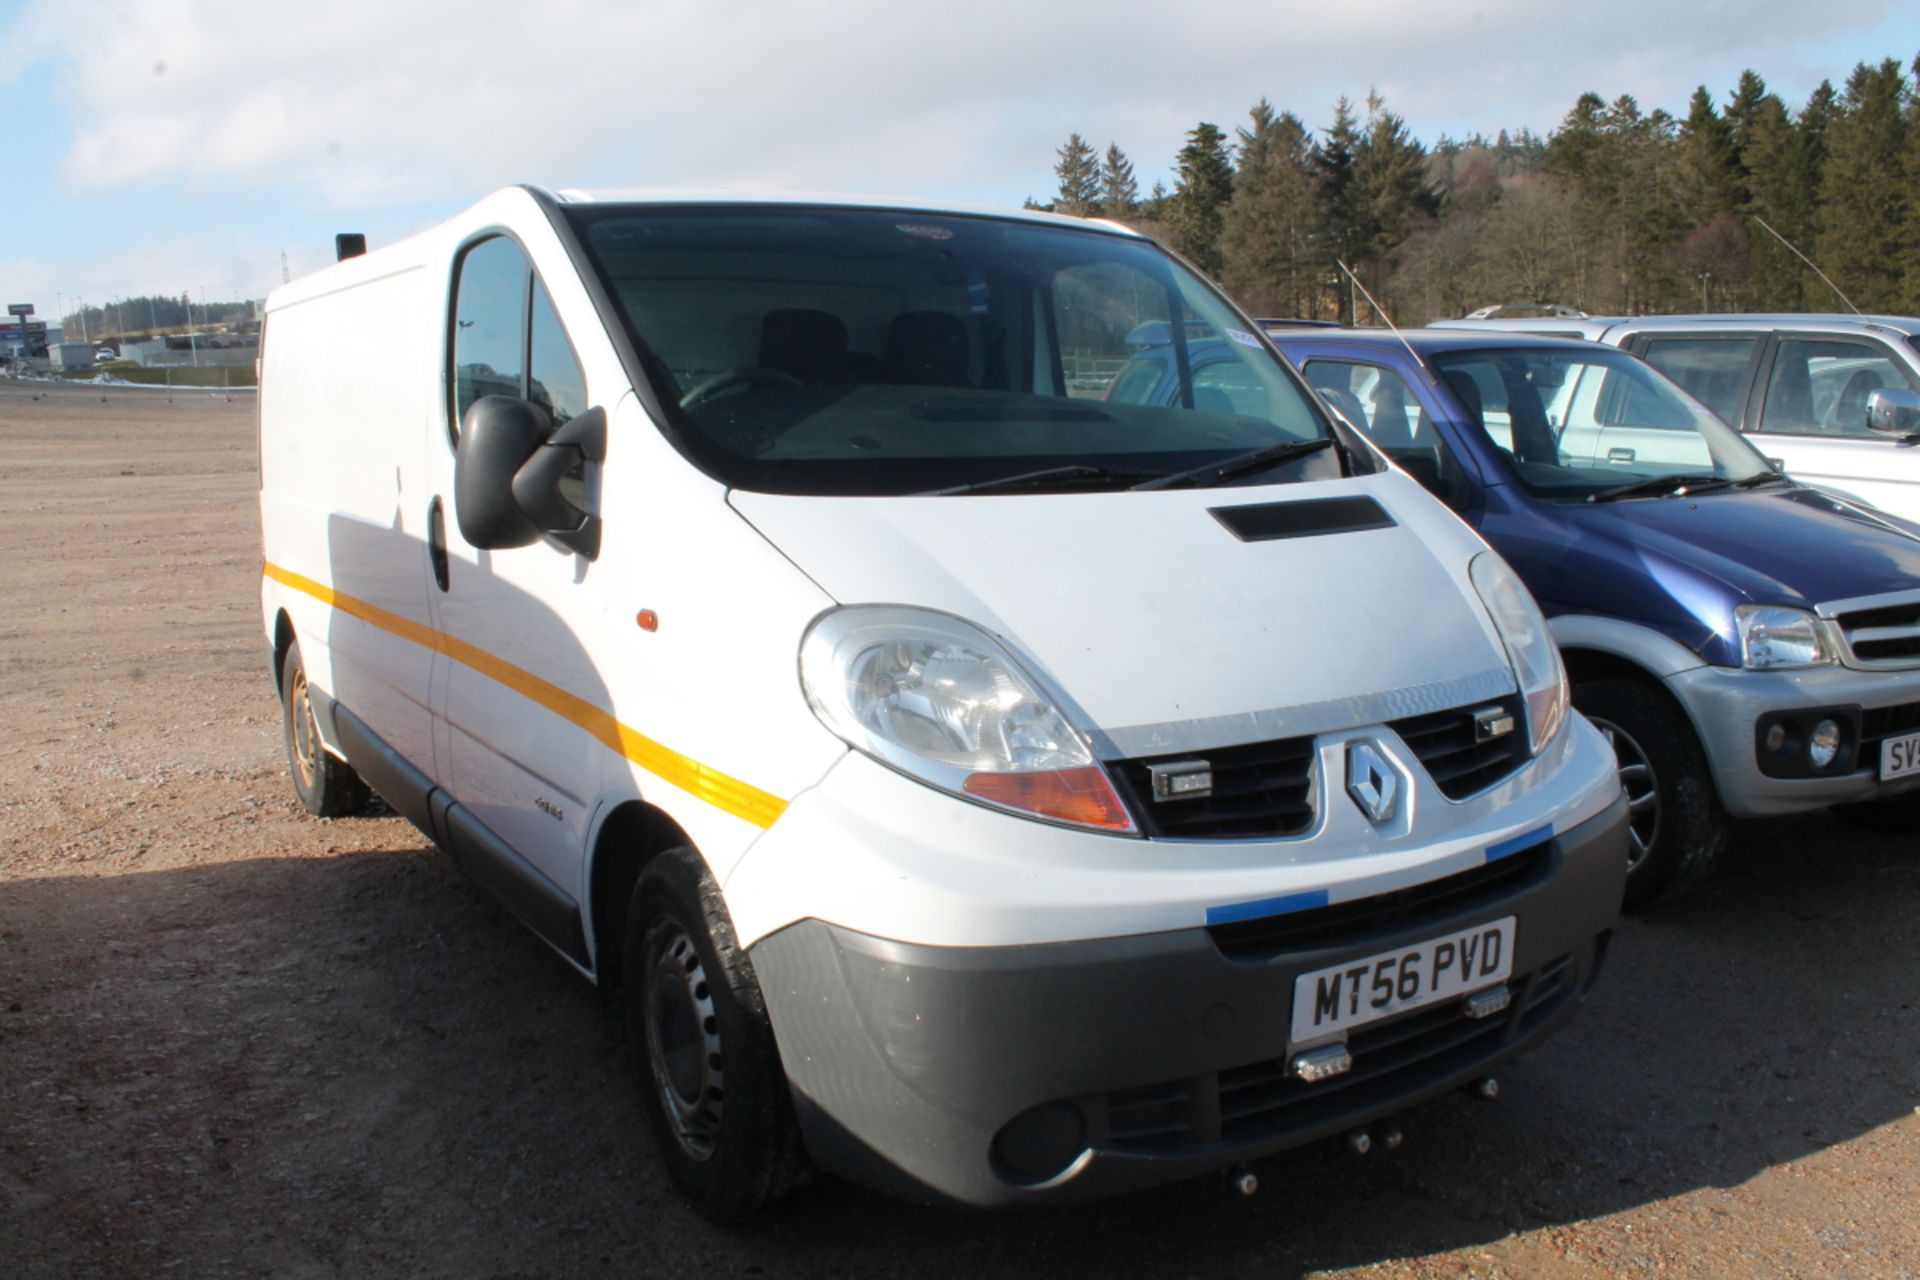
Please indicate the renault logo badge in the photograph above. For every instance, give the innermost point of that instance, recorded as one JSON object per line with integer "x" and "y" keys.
{"x": 1371, "y": 781}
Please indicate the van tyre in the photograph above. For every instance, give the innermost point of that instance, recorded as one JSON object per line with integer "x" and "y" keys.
{"x": 326, "y": 785}
{"x": 1676, "y": 828}
{"x": 710, "y": 1074}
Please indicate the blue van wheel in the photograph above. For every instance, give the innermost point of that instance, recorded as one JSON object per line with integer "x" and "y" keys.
{"x": 1676, "y": 829}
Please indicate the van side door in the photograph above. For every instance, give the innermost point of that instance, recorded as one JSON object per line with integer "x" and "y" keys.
{"x": 517, "y": 692}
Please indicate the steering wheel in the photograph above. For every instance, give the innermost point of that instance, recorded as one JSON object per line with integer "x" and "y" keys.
{"x": 711, "y": 387}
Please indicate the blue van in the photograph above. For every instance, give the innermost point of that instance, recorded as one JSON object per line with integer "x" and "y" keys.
{"x": 1750, "y": 645}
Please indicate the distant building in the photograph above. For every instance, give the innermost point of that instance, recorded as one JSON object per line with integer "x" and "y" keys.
{"x": 29, "y": 339}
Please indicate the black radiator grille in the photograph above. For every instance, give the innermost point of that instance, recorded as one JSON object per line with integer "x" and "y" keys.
{"x": 1448, "y": 745}
{"x": 1883, "y": 722}
{"x": 1259, "y": 789}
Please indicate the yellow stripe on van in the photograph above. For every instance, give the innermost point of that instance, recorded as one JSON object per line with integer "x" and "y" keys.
{"x": 741, "y": 799}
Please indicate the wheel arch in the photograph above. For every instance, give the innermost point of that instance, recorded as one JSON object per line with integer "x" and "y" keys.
{"x": 1585, "y": 664}
{"x": 629, "y": 837}
{"x": 283, "y": 639}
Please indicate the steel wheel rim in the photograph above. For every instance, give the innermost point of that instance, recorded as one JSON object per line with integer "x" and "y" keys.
{"x": 306, "y": 732}
{"x": 683, "y": 1043}
{"x": 1639, "y": 786}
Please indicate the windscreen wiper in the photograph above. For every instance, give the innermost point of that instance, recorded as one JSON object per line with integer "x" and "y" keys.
{"x": 1759, "y": 478}
{"x": 1079, "y": 475}
{"x": 1649, "y": 485}
{"x": 1259, "y": 459}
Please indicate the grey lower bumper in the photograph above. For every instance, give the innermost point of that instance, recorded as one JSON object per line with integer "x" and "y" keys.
{"x": 1727, "y": 707}
{"x": 1160, "y": 1055}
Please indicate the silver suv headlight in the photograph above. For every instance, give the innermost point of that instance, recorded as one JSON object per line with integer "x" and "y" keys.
{"x": 1776, "y": 638}
{"x": 1530, "y": 649}
{"x": 939, "y": 699}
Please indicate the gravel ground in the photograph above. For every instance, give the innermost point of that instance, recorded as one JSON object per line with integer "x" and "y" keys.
{"x": 238, "y": 1041}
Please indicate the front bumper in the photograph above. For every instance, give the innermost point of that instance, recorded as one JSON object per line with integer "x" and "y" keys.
{"x": 1726, "y": 705}
{"x": 907, "y": 1061}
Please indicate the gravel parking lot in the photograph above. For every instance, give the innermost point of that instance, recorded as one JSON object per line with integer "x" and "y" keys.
{"x": 238, "y": 1041}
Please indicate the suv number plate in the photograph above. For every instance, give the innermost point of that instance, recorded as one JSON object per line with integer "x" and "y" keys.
{"x": 1900, "y": 756}
{"x": 1349, "y": 995}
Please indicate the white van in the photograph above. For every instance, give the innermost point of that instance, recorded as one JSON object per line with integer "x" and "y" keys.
{"x": 974, "y": 787}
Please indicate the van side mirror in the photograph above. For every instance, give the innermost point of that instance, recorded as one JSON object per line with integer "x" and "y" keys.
{"x": 1893, "y": 411}
{"x": 509, "y": 474}
{"x": 540, "y": 486}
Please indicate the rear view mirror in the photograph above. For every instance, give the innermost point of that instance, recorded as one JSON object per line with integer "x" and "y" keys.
{"x": 510, "y": 476}
{"x": 1893, "y": 411}
{"x": 497, "y": 436}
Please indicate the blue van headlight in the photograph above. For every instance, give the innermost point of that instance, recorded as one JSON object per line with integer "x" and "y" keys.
{"x": 1530, "y": 649}
{"x": 1776, "y": 638}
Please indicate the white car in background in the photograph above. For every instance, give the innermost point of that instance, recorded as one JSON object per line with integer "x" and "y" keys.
{"x": 1800, "y": 385}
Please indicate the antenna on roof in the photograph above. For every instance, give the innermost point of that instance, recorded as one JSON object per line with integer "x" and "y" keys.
{"x": 1382, "y": 313}
{"x": 1809, "y": 261}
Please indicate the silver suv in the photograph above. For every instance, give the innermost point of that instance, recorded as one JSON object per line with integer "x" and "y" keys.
{"x": 1800, "y": 385}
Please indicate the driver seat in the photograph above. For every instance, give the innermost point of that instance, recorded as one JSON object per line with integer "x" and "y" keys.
{"x": 807, "y": 345}
{"x": 928, "y": 348}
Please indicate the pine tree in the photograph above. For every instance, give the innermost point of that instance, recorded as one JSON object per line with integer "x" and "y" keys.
{"x": 1079, "y": 173}
{"x": 1910, "y": 302}
{"x": 1781, "y": 185}
{"x": 1203, "y": 184}
{"x": 1390, "y": 178}
{"x": 1119, "y": 192}
{"x": 1707, "y": 177}
{"x": 1266, "y": 238}
{"x": 1864, "y": 202}
{"x": 1343, "y": 230}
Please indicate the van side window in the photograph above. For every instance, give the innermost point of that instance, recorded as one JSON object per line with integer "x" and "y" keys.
{"x": 554, "y": 380}
{"x": 1819, "y": 386}
{"x": 1711, "y": 369}
{"x": 489, "y": 323}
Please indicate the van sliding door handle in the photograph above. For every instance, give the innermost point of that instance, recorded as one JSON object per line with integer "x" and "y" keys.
{"x": 437, "y": 541}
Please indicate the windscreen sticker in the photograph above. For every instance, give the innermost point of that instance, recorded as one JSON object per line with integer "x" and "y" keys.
{"x": 1243, "y": 338}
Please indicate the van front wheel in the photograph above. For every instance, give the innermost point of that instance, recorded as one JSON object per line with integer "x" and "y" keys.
{"x": 1676, "y": 830}
{"x": 710, "y": 1074}
{"x": 326, "y": 785}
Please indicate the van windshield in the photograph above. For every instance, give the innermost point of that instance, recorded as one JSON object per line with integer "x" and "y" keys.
{"x": 828, "y": 350}
{"x": 1596, "y": 424}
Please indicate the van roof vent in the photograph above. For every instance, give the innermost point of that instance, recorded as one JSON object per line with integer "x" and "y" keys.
{"x": 348, "y": 244}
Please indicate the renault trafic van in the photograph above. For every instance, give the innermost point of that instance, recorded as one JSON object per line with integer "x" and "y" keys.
{"x": 971, "y": 786}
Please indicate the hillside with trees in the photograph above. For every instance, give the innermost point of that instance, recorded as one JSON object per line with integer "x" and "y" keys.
{"x": 1619, "y": 210}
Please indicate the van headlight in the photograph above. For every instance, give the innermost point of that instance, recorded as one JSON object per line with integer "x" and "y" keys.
{"x": 939, "y": 699}
{"x": 1530, "y": 648}
{"x": 1775, "y": 638}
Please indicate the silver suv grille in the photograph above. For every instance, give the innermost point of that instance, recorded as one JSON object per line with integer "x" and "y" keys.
{"x": 1878, "y": 631}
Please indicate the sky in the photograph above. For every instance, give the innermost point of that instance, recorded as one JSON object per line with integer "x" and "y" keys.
{"x": 182, "y": 146}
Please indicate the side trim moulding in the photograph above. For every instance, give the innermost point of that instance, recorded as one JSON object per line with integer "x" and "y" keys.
{"x": 495, "y": 865}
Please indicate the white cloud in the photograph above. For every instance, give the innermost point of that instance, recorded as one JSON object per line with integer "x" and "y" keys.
{"x": 378, "y": 102}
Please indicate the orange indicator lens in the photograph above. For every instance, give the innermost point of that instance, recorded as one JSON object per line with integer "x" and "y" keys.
{"x": 1082, "y": 795}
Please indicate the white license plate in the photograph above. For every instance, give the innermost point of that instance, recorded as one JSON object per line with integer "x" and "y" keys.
{"x": 1349, "y": 995}
{"x": 1900, "y": 756}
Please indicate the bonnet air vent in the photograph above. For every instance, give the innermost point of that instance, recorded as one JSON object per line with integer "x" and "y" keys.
{"x": 1266, "y": 521}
